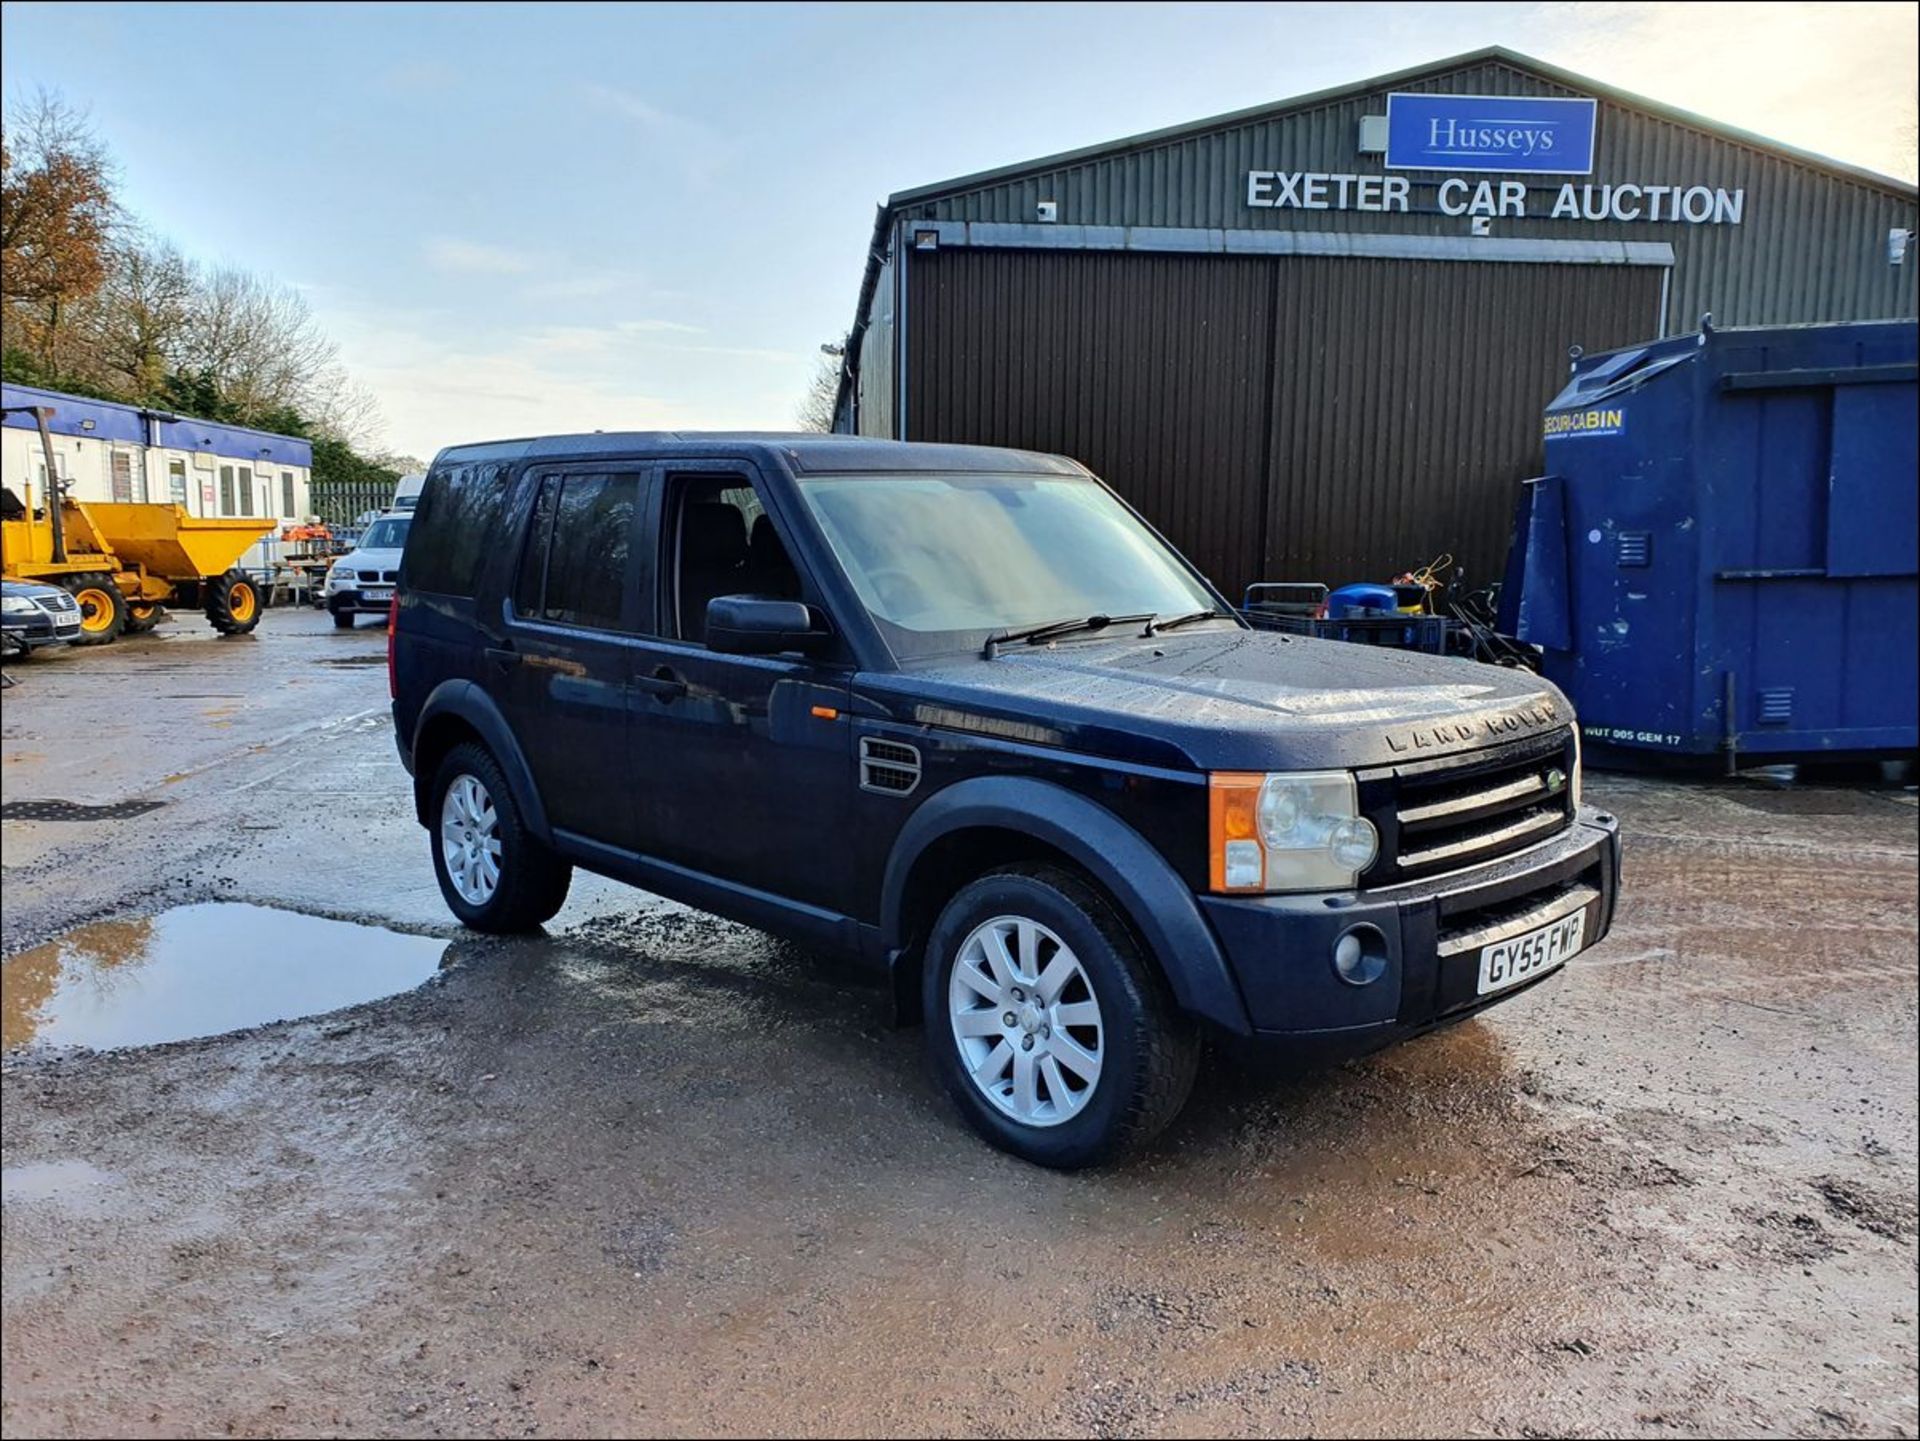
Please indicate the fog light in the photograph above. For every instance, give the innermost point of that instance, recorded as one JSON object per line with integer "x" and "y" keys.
{"x": 1360, "y": 956}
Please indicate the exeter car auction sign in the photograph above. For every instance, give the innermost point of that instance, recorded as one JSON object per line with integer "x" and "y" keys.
{"x": 1506, "y": 133}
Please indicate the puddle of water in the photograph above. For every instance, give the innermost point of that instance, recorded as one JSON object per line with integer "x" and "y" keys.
{"x": 198, "y": 971}
{"x": 50, "y": 1180}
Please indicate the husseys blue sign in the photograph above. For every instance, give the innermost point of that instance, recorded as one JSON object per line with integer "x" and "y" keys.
{"x": 1489, "y": 132}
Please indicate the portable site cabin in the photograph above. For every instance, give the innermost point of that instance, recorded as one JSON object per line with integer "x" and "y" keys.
{"x": 107, "y": 451}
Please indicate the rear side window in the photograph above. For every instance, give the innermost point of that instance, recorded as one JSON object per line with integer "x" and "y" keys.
{"x": 574, "y": 569}
{"x": 529, "y": 586}
{"x": 455, "y": 528}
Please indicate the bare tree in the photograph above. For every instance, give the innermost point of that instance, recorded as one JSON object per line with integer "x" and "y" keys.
{"x": 815, "y": 411}
{"x": 395, "y": 461}
{"x": 137, "y": 322}
{"x": 57, "y": 214}
{"x": 341, "y": 408}
{"x": 257, "y": 341}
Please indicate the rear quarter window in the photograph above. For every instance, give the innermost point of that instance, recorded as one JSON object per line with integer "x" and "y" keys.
{"x": 456, "y": 527}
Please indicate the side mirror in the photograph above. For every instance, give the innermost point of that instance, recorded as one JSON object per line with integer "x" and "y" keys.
{"x": 756, "y": 625}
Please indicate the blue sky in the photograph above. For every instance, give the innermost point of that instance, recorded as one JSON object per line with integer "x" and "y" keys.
{"x": 544, "y": 217}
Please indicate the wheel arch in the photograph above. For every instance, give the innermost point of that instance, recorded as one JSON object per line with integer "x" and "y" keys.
{"x": 988, "y": 821}
{"x": 458, "y": 711}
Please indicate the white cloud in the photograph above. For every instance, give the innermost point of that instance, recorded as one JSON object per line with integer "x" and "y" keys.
{"x": 651, "y": 327}
{"x": 700, "y": 151}
{"x": 584, "y": 285}
{"x": 472, "y": 258}
{"x": 598, "y": 339}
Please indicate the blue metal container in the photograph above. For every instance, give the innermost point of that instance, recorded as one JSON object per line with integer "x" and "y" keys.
{"x": 1722, "y": 559}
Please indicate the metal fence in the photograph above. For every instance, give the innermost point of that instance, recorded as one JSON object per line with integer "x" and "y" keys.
{"x": 339, "y": 502}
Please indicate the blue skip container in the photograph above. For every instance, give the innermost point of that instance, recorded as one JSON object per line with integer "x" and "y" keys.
{"x": 1723, "y": 560}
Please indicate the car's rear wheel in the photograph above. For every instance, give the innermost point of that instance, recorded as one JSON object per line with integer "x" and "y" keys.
{"x": 1056, "y": 1038}
{"x": 494, "y": 875}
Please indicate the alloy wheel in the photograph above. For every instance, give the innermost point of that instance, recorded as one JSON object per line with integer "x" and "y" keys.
{"x": 469, "y": 840}
{"x": 1026, "y": 1021}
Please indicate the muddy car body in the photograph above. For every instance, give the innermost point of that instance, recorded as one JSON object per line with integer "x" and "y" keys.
{"x": 961, "y": 713}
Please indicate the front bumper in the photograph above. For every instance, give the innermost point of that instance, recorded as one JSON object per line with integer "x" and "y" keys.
{"x": 1431, "y": 931}
{"x": 354, "y": 601}
{"x": 34, "y": 631}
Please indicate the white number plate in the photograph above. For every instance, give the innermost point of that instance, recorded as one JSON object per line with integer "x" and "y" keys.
{"x": 377, "y": 592}
{"x": 1521, "y": 958}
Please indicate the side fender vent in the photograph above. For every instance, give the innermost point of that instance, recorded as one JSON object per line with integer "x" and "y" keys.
{"x": 889, "y": 767}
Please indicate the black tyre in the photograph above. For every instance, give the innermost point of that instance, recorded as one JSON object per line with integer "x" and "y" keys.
{"x": 233, "y": 603}
{"x": 494, "y": 875}
{"x": 1054, "y": 1035}
{"x": 343, "y": 620}
{"x": 142, "y": 618}
{"x": 103, "y": 609}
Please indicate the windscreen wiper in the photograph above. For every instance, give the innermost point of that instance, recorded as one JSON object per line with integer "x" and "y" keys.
{"x": 1155, "y": 625}
{"x": 1034, "y": 635}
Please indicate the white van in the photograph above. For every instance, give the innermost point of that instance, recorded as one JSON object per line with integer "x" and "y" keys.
{"x": 406, "y": 495}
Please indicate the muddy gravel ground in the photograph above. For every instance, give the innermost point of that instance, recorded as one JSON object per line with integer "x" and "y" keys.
{"x": 657, "y": 1174}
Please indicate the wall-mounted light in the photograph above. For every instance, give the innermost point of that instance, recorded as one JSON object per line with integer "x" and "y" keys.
{"x": 926, "y": 240}
{"x": 86, "y": 425}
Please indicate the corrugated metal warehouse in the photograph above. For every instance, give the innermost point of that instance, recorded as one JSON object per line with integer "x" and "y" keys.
{"x": 1312, "y": 341}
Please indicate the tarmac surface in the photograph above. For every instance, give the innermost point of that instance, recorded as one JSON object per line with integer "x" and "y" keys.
{"x": 658, "y": 1174}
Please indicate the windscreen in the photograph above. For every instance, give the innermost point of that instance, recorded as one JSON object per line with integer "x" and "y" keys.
{"x": 387, "y": 534}
{"x": 941, "y": 560}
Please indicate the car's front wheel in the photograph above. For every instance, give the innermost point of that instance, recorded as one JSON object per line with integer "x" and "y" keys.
{"x": 494, "y": 875}
{"x": 1055, "y": 1036}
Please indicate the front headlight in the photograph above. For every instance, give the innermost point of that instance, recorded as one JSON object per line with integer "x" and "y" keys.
{"x": 340, "y": 574}
{"x": 17, "y": 605}
{"x": 1288, "y": 831}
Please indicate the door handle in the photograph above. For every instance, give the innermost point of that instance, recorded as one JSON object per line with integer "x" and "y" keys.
{"x": 501, "y": 662}
{"x": 663, "y": 685}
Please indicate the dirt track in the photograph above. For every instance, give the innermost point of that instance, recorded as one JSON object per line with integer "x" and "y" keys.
{"x": 657, "y": 1174}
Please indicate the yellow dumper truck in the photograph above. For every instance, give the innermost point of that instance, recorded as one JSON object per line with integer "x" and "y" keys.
{"x": 123, "y": 561}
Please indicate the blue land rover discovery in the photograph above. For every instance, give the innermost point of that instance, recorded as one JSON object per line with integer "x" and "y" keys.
{"x": 962, "y": 713}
